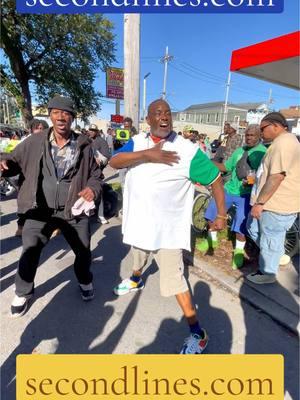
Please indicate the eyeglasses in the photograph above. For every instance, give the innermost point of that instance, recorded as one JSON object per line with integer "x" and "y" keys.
{"x": 264, "y": 127}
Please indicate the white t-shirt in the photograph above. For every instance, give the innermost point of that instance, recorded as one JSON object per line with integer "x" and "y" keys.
{"x": 158, "y": 198}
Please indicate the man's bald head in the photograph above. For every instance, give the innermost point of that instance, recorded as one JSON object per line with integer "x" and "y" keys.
{"x": 160, "y": 118}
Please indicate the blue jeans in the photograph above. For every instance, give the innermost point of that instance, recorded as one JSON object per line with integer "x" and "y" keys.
{"x": 268, "y": 232}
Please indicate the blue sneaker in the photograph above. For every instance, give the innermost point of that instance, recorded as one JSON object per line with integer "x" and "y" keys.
{"x": 195, "y": 344}
{"x": 127, "y": 286}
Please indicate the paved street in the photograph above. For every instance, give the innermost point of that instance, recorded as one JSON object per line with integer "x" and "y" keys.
{"x": 58, "y": 321}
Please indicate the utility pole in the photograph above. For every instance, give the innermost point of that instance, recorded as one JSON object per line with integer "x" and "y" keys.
{"x": 132, "y": 67}
{"x": 165, "y": 60}
{"x": 270, "y": 100}
{"x": 226, "y": 99}
{"x": 144, "y": 95}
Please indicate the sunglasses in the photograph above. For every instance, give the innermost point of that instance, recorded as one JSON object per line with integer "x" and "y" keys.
{"x": 264, "y": 127}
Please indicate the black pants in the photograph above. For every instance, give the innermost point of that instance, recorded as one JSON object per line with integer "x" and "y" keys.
{"x": 36, "y": 233}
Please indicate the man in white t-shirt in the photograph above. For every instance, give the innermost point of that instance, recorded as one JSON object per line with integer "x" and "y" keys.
{"x": 157, "y": 208}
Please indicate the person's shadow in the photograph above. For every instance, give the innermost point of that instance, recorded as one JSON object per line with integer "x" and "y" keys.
{"x": 171, "y": 334}
{"x": 68, "y": 322}
{"x": 277, "y": 340}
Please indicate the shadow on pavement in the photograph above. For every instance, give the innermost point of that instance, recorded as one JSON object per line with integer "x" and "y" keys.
{"x": 69, "y": 322}
{"x": 171, "y": 333}
{"x": 7, "y": 218}
{"x": 268, "y": 344}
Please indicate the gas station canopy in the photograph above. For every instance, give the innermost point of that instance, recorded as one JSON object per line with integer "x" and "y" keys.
{"x": 276, "y": 60}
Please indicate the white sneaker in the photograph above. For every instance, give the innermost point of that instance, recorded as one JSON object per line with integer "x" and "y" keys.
{"x": 19, "y": 305}
{"x": 127, "y": 286}
{"x": 103, "y": 220}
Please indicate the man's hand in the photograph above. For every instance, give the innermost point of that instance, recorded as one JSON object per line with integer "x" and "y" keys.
{"x": 157, "y": 155}
{"x": 219, "y": 224}
{"x": 256, "y": 211}
{"x": 3, "y": 165}
{"x": 87, "y": 194}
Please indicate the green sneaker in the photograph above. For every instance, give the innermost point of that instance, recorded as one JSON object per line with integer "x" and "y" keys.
{"x": 238, "y": 258}
{"x": 207, "y": 244}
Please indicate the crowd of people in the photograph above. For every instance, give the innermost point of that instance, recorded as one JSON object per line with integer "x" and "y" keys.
{"x": 62, "y": 179}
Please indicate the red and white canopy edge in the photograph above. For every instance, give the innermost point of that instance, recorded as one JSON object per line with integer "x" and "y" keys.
{"x": 276, "y": 60}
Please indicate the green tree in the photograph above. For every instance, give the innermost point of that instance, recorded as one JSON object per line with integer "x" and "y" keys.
{"x": 54, "y": 54}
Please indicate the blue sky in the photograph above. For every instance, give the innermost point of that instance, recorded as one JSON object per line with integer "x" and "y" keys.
{"x": 201, "y": 46}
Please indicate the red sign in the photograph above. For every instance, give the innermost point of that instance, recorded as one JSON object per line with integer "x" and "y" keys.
{"x": 118, "y": 119}
{"x": 115, "y": 83}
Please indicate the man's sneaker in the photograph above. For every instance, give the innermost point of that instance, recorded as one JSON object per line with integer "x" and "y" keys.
{"x": 238, "y": 258}
{"x": 127, "y": 286}
{"x": 102, "y": 220}
{"x": 260, "y": 278}
{"x": 195, "y": 344}
{"x": 207, "y": 244}
{"x": 87, "y": 291}
{"x": 19, "y": 305}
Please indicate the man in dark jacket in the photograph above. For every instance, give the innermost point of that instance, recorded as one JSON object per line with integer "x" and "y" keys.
{"x": 59, "y": 168}
{"x": 102, "y": 155}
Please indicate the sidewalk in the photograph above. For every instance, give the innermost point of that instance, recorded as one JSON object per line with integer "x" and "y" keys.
{"x": 280, "y": 301}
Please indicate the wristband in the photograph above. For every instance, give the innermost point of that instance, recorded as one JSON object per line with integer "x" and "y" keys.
{"x": 222, "y": 217}
{"x": 259, "y": 203}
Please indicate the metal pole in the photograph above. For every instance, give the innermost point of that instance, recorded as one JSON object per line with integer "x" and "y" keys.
{"x": 118, "y": 107}
{"x": 132, "y": 67}
{"x": 144, "y": 95}
{"x": 165, "y": 74}
{"x": 165, "y": 60}
{"x": 226, "y": 99}
{"x": 270, "y": 100}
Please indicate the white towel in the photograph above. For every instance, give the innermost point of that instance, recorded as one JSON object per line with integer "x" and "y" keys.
{"x": 81, "y": 206}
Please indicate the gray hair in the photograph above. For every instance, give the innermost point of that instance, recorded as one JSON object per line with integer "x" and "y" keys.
{"x": 253, "y": 127}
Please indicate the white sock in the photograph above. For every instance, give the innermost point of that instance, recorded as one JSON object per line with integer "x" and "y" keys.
{"x": 89, "y": 286}
{"x": 239, "y": 244}
{"x": 213, "y": 235}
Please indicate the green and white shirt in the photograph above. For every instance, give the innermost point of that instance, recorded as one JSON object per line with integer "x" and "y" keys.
{"x": 158, "y": 198}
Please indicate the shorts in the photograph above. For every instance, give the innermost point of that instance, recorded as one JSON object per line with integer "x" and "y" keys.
{"x": 171, "y": 268}
{"x": 239, "y": 220}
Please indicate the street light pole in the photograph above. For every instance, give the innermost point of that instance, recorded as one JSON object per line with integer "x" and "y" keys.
{"x": 144, "y": 96}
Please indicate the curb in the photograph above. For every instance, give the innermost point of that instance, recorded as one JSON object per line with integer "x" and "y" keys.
{"x": 247, "y": 292}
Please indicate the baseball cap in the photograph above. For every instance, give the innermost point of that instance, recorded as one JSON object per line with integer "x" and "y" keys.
{"x": 62, "y": 103}
{"x": 93, "y": 127}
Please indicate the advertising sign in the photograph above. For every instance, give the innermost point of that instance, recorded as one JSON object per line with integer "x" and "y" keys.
{"x": 115, "y": 83}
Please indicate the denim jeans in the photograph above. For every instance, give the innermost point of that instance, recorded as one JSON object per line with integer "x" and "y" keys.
{"x": 268, "y": 232}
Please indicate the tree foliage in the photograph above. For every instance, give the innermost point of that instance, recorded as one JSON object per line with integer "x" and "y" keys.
{"x": 54, "y": 54}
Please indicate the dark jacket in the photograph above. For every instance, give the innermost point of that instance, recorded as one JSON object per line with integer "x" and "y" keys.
{"x": 101, "y": 145}
{"x": 28, "y": 158}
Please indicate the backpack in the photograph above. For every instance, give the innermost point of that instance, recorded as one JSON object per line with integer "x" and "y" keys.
{"x": 243, "y": 166}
